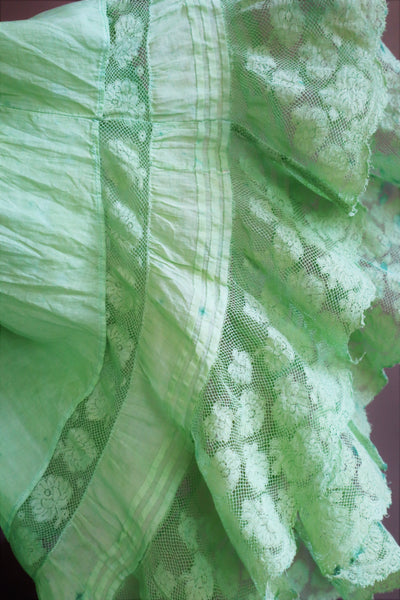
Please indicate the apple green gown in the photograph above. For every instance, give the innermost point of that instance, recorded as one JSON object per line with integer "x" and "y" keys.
{"x": 199, "y": 289}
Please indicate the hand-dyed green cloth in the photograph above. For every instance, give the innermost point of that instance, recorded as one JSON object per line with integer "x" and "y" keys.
{"x": 199, "y": 289}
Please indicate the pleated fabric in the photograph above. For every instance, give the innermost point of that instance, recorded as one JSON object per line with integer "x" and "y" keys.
{"x": 199, "y": 290}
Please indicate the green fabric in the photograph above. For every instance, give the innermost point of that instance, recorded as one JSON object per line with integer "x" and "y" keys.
{"x": 199, "y": 289}
{"x": 52, "y": 251}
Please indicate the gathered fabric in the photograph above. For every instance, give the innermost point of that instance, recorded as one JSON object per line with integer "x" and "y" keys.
{"x": 199, "y": 290}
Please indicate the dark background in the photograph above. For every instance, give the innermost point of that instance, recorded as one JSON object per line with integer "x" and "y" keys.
{"x": 383, "y": 412}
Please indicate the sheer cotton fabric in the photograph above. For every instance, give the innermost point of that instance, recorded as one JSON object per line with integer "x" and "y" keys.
{"x": 199, "y": 291}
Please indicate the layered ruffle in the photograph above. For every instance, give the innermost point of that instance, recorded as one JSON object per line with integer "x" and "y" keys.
{"x": 249, "y": 179}
{"x": 281, "y": 434}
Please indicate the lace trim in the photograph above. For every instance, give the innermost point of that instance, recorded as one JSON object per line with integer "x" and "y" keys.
{"x": 43, "y": 516}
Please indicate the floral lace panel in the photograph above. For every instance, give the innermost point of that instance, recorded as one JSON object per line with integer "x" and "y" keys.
{"x": 191, "y": 556}
{"x": 124, "y": 141}
{"x": 315, "y": 73}
{"x": 275, "y": 432}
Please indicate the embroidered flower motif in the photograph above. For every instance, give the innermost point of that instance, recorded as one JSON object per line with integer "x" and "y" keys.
{"x": 129, "y": 31}
{"x": 286, "y": 507}
{"x": 30, "y": 545}
{"x": 260, "y": 523}
{"x": 79, "y": 450}
{"x": 287, "y": 85}
{"x": 123, "y": 228}
{"x": 50, "y": 498}
{"x": 338, "y": 271}
{"x": 187, "y": 529}
{"x": 333, "y": 114}
{"x": 240, "y": 368}
{"x": 287, "y": 245}
{"x": 251, "y": 413}
{"x": 127, "y": 276}
{"x": 357, "y": 21}
{"x": 260, "y": 62}
{"x": 329, "y": 427}
{"x": 123, "y": 97}
{"x": 276, "y": 455}
{"x": 335, "y": 165}
{"x": 357, "y": 301}
{"x": 298, "y": 465}
{"x": 334, "y": 520}
{"x": 262, "y": 211}
{"x": 380, "y": 548}
{"x": 292, "y": 404}
{"x": 351, "y": 312}
{"x": 256, "y": 467}
{"x": 218, "y": 424}
{"x": 254, "y": 309}
{"x": 287, "y": 19}
{"x": 311, "y": 128}
{"x": 121, "y": 344}
{"x": 165, "y": 580}
{"x": 309, "y": 289}
{"x": 259, "y": 520}
{"x": 129, "y": 162}
{"x": 349, "y": 93}
{"x": 199, "y": 582}
{"x": 117, "y": 294}
{"x": 99, "y": 405}
{"x": 369, "y": 507}
{"x": 277, "y": 352}
{"x": 346, "y": 468}
{"x": 370, "y": 478}
{"x": 228, "y": 464}
{"x": 320, "y": 58}
{"x": 313, "y": 453}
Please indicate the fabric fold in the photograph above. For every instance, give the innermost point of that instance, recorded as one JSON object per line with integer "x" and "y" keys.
{"x": 52, "y": 239}
{"x": 247, "y": 156}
